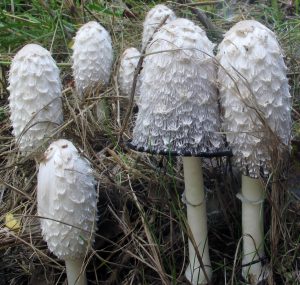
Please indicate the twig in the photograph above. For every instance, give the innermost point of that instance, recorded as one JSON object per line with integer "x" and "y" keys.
{"x": 153, "y": 247}
{"x": 204, "y": 3}
{"x": 16, "y": 189}
{"x": 205, "y": 21}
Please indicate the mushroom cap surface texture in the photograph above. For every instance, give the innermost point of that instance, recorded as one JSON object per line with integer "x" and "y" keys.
{"x": 66, "y": 192}
{"x": 252, "y": 78}
{"x": 128, "y": 64}
{"x": 178, "y": 109}
{"x": 153, "y": 19}
{"x": 35, "y": 96}
{"x": 92, "y": 56}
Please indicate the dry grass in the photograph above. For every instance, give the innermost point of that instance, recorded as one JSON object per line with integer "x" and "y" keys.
{"x": 141, "y": 237}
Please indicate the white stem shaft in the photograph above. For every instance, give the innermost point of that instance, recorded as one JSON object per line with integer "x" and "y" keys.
{"x": 197, "y": 220}
{"x": 253, "y": 230}
{"x": 75, "y": 272}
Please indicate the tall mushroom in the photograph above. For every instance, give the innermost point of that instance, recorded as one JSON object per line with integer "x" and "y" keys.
{"x": 128, "y": 64}
{"x": 257, "y": 108}
{"x": 153, "y": 19}
{"x": 35, "y": 97}
{"x": 178, "y": 114}
{"x": 67, "y": 205}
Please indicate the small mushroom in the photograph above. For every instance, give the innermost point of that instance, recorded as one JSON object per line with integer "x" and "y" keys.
{"x": 128, "y": 64}
{"x": 35, "y": 97}
{"x": 256, "y": 101}
{"x": 153, "y": 19}
{"x": 92, "y": 57}
{"x": 178, "y": 115}
{"x": 92, "y": 63}
{"x": 67, "y": 205}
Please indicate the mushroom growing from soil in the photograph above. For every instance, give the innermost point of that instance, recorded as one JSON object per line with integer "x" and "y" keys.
{"x": 128, "y": 64}
{"x": 67, "y": 206}
{"x": 153, "y": 19}
{"x": 92, "y": 62}
{"x": 92, "y": 57}
{"x": 256, "y": 101}
{"x": 178, "y": 115}
{"x": 35, "y": 97}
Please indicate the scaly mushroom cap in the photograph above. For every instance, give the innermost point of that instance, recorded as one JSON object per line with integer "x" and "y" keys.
{"x": 35, "y": 96}
{"x": 92, "y": 56}
{"x": 66, "y": 193}
{"x": 178, "y": 109}
{"x": 153, "y": 19}
{"x": 129, "y": 61}
{"x": 251, "y": 55}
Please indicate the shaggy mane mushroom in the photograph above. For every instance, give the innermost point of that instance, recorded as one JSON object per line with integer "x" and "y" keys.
{"x": 67, "y": 205}
{"x": 256, "y": 101}
{"x": 35, "y": 97}
{"x": 178, "y": 115}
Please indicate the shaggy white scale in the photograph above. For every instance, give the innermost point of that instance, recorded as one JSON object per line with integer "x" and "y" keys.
{"x": 128, "y": 64}
{"x": 67, "y": 201}
{"x": 255, "y": 96}
{"x": 153, "y": 19}
{"x": 35, "y": 97}
{"x": 92, "y": 56}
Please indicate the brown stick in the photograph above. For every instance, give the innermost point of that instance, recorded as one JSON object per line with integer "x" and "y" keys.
{"x": 205, "y": 21}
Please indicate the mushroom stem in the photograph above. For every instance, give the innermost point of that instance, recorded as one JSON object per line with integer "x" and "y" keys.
{"x": 75, "y": 272}
{"x": 197, "y": 220}
{"x": 252, "y": 198}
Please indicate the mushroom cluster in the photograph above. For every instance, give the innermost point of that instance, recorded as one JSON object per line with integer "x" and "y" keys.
{"x": 35, "y": 97}
{"x": 179, "y": 114}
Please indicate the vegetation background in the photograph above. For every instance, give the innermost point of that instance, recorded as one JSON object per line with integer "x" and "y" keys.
{"x": 141, "y": 236}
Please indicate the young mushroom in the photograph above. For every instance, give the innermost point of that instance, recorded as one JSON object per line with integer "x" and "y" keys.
{"x": 35, "y": 97}
{"x": 128, "y": 64}
{"x": 178, "y": 115}
{"x": 256, "y": 101}
{"x": 67, "y": 206}
{"x": 153, "y": 19}
{"x": 92, "y": 62}
{"x": 92, "y": 57}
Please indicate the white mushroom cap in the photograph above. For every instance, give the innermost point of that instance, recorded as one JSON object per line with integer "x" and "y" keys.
{"x": 35, "y": 96}
{"x": 66, "y": 192}
{"x": 153, "y": 19}
{"x": 251, "y": 55}
{"x": 92, "y": 56}
{"x": 129, "y": 61}
{"x": 178, "y": 109}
